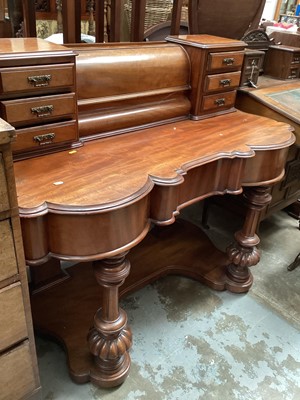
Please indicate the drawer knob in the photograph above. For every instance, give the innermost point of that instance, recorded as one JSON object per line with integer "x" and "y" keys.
{"x": 225, "y": 82}
{"x": 43, "y": 111}
{"x": 228, "y": 61}
{"x": 39, "y": 80}
{"x": 220, "y": 102}
{"x": 47, "y": 138}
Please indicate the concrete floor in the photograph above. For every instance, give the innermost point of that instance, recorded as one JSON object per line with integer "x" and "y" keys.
{"x": 201, "y": 344}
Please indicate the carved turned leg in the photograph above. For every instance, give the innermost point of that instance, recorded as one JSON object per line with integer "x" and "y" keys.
{"x": 244, "y": 253}
{"x": 110, "y": 338}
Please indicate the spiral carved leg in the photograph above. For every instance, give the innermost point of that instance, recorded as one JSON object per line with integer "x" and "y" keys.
{"x": 244, "y": 253}
{"x": 110, "y": 338}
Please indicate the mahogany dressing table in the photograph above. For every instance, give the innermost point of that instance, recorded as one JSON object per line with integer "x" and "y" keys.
{"x": 96, "y": 204}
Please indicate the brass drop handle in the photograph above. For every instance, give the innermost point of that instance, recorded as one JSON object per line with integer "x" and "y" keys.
{"x": 43, "y": 111}
{"x": 225, "y": 82}
{"x": 228, "y": 61}
{"x": 220, "y": 102}
{"x": 39, "y": 80}
{"x": 47, "y": 138}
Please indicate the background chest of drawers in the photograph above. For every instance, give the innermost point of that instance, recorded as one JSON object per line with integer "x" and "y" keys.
{"x": 37, "y": 95}
{"x": 216, "y": 65}
{"x": 18, "y": 365}
{"x": 282, "y": 62}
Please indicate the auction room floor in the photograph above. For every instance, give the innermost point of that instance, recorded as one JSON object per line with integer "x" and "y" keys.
{"x": 191, "y": 342}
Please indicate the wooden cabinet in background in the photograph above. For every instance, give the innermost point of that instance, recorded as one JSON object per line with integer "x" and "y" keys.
{"x": 19, "y": 377}
{"x": 278, "y": 100}
{"x": 282, "y": 62}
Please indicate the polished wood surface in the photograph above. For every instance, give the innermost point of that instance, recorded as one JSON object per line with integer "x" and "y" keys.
{"x": 164, "y": 154}
{"x": 12, "y": 46}
{"x": 81, "y": 189}
{"x": 128, "y": 88}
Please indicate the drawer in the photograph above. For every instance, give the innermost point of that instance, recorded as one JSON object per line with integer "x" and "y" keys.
{"x": 38, "y": 110}
{"x": 45, "y": 136}
{"x": 219, "y": 101}
{"x": 17, "y": 80}
{"x": 13, "y": 327}
{"x": 296, "y": 58}
{"x": 4, "y": 200}
{"x": 225, "y": 60}
{"x": 17, "y": 378}
{"x": 293, "y": 73}
{"x": 8, "y": 262}
{"x": 219, "y": 82}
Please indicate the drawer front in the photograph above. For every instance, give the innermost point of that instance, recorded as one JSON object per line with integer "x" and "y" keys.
{"x": 12, "y": 317}
{"x": 218, "y": 101}
{"x": 45, "y": 136}
{"x": 17, "y": 377}
{"x": 294, "y": 73}
{"x": 296, "y": 58}
{"x": 226, "y": 60}
{"x": 37, "y": 110}
{"x": 222, "y": 81}
{"x": 4, "y": 201}
{"x": 16, "y": 80}
{"x": 8, "y": 262}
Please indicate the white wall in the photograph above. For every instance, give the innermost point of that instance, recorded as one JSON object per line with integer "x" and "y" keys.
{"x": 269, "y": 10}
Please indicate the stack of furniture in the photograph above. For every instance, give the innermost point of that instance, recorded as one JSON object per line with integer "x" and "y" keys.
{"x": 19, "y": 376}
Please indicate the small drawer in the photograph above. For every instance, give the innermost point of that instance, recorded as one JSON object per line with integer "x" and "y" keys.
{"x": 226, "y": 60}
{"x": 219, "y": 101}
{"x": 38, "y": 110}
{"x": 45, "y": 136}
{"x": 17, "y": 376}
{"x": 8, "y": 262}
{"x": 12, "y": 316}
{"x": 17, "y": 80}
{"x": 293, "y": 73}
{"x": 4, "y": 200}
{"x": 222, "y": 81}
{"x": 296, "y": 58}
